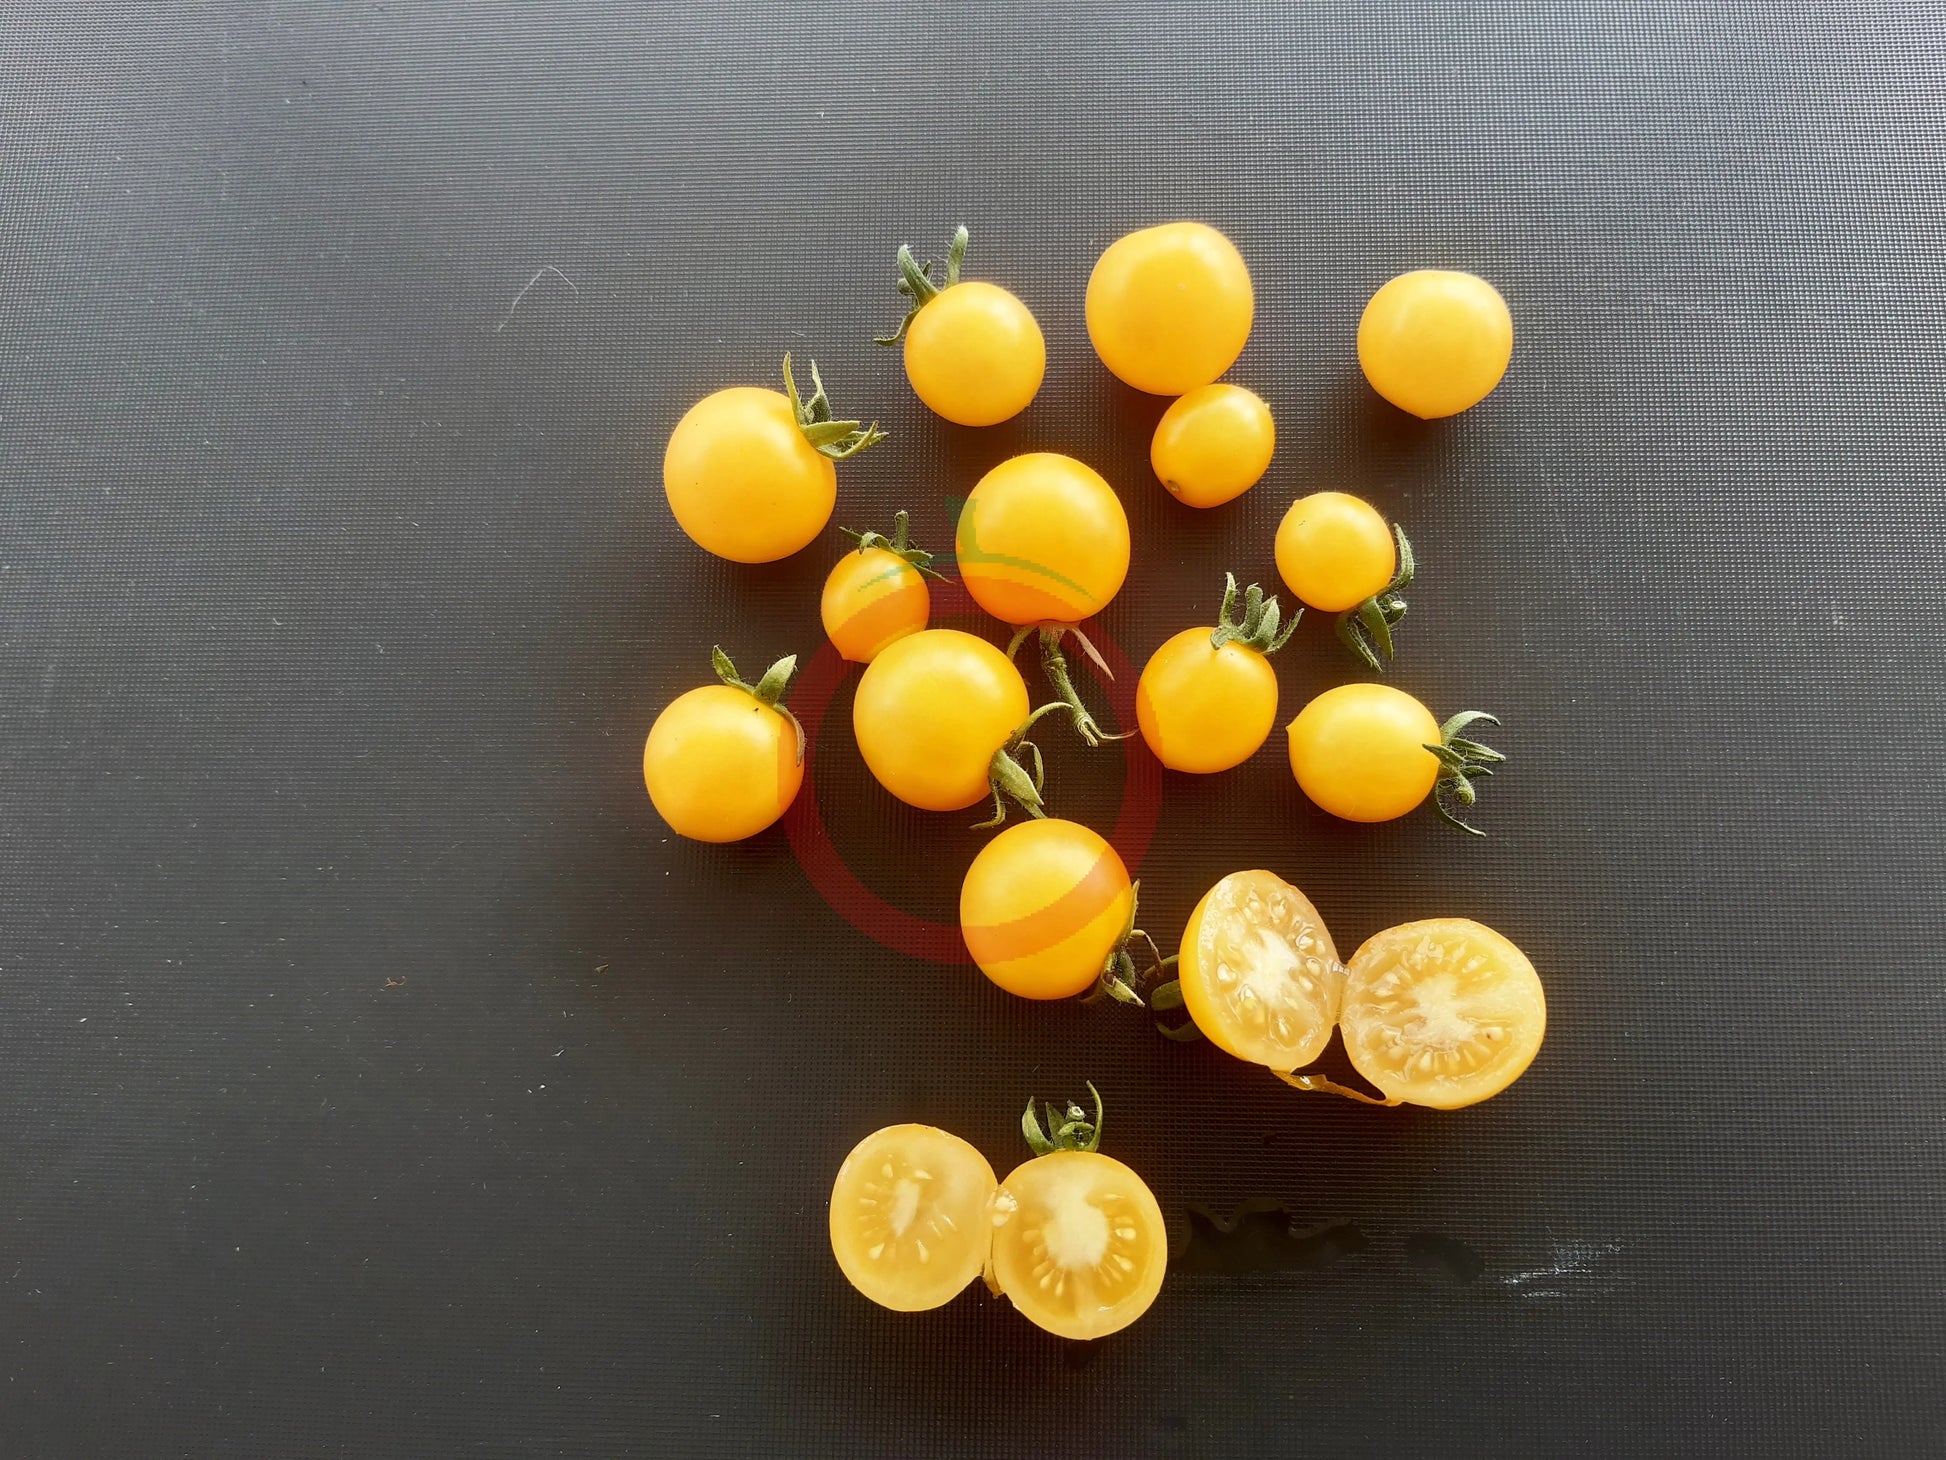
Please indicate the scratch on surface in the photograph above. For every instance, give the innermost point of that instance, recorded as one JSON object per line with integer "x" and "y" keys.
{"x": 1574, "y": 1260}
{"x": 539, "y": 274}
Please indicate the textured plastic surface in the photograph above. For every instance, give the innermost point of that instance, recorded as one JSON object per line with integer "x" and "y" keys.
{"x": 377, "y": 1077}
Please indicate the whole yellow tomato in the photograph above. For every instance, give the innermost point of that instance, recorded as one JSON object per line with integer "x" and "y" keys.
{"x": 973, "y": 351}
{"x": 931, "y": 711}
{"x": 725, "y": 761}
{"x": 1208, "y": 697}
{"x": 1042, "y": 538}
{"x": 1169, "y": 307}
{"x": 1044, "y": 906}
{"x": 1213, "y": 445}
{"x": 1368, "y": 752}
{"x": 877, "y": 593}
{"x": 1336, "y": 553}
{"x": 1434, "y": 342}
{"x": 748, "y": 472}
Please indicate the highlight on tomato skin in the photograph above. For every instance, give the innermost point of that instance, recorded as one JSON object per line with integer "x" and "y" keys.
{"x": 1044, "y": 906}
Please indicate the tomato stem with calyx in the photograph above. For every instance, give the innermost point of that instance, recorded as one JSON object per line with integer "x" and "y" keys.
{"x": 1119, "y": 979}
{"x": 835, "y": 439}
{"x": 917, "y": 283}
{"x": 898, "y": 544}
{"x": 1008, "y": 778}
{"x": 768, "y": 691}
{"x": 1257, "y": 628}
{"x": 1071, "y": 1129}
{"x": 1462, "y": 761}
{"x": 1366, "y": 628}
{"x": 1319, "y": 1085}
{"x": 1055, "y": 665}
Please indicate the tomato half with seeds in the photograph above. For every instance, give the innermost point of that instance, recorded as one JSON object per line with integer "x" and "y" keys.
{"x": 1169, "y": 308}
{"x": 1213, "y": 445}
{"x": 1042, "y": 538}
{"x": 1259, "y": 972}
{"x": 911, "y": 1216}
{"x": 973, "y": 352}
{"x": 725, "y": 761}
{"x": 749, "y": 473}
{"x": 1434, "y": 342}
{"x": 1043, "y": 906}
{"x": 1444, "y": 1012}
{"x": 1081, "y": 1248}
{"x": 931, "y": 710}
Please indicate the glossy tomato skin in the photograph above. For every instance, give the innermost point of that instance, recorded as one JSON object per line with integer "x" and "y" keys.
{"x": 742, "y": 480}
{"x": 1169, "y": 308}
{"x": 910, "y": 1216}
{"x": 930, "y": 711}
{"x": 719, "y": 765}
{"x": 1042, "y": 907}
{"x": 1205, "y": 709}
{"x": 1359, "y": 751}
{"x": 975, "y": 354}
{"x": 1434, "y": 342}
{"x": 1213, "y": 445}
{"x": 1042, "y": 538}
{"x": 872, "y": 598}
{"x": 1080, "y": 1247}
{"x": 1335, "y": 550}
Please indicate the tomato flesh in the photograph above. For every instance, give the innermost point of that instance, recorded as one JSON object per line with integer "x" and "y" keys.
{"x": 911, "y": 1221}
{"x": 1259, "y": 972}
{"x": 1079, "y": 1246}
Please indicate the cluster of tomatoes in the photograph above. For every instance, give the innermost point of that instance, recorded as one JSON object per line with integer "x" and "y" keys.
{"x": 1440, "y": 1013}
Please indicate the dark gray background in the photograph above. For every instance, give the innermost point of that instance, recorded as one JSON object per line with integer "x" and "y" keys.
{"x": 377, "y": 1076}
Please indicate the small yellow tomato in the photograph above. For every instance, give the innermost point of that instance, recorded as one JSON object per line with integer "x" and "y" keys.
{"x": 1081, "y": 1247}
{"x": 1169, "y": 307}
{"x": 1042, "y": 538}
{"x": 931, "y": 710}
{"x": 1208, "y": 697}
{"x": 1259, "y": 973}
{"x": 725, "y": 761}
{"x": 1360, "y": 751}
{"x": 1434, "y": 342}
{"x": 973, "y": 352}
{"x": 1213, "y": 445}
{"x": 1043, "y": 907}
{"x": 910, "y": 1216}
{"x": 748, "y": 472}
{"x": 1335, "y": 550}
{"x": 1443, "y": 1013}
{"x": 876, "y": 594}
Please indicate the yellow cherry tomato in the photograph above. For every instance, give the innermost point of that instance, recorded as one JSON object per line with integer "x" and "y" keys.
{"x": 1442, "y": 1013}
{"x": 1359, "y": 751}
{"x": 1043, "y": 906}
{"x": 1080, "y": 1247}
{"x": 1434, "y": 342}
{"x": 911, "y": 1220}
{"x": 1259, "y": 972}
{"x": 1208, "y": 697}
{"x": 931, "y": 710}
{"x": 1042, "y": 538}
{"x": 1335, "y": 550}
{"x": 877, "y": 594}
{"x": 1213, "y": 445}
{"x": 725, "y": 761}
{"x": 973, "y": 352}
{"x": 748, "y": 472}
{"x": 1169, "y": 307}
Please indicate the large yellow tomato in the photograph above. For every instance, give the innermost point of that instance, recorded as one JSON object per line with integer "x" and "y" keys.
{"x": 748, "y": 472}
{"x": 1043, "y": 906}
{"x": 1442, "y": 1013}
{"x": 1081, "y": 1246}
{"x": 1259, "y": 972}
{"x": 1042, "y": 538}
{"x": 931, "y": 710}
{"x": 973, "y": 352}
{"x": 1434, "y": 342}
{"x": 1368, "y": 752}
{"x": 1213, "y": 445}
{"x": 1169, "y": 307}
{"x": 725, "y": 761}
{"x": 876, "y": 594}
{"x": 910, "y": 1216}
{"x": 1208, "y": 697}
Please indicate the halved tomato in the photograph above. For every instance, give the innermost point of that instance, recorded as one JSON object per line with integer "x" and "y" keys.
{"x": 911, "y": 1221}
{"x": 1260, "y": 974}
{"x": 1080, "y": 1246}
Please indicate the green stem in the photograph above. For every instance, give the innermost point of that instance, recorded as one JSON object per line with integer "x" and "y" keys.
{"x": 833, "y": 438}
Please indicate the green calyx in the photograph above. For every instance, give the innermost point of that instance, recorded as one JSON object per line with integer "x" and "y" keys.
{"x": 1462, "y": 761}
{"x": 1367, "y": 628}
{"x": 835, "y": 439}
{"x": 1008, "y": 777}
{"x": 768, "y": 691}
{"x": 1055, "y": 665}
{"x": 1120, "y": 979}
{"x": 1257, "y": 628}
{"x": 1071, "y": 1129}
{"x": 917, "y": 283}
{"x": 897, "y": 544}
